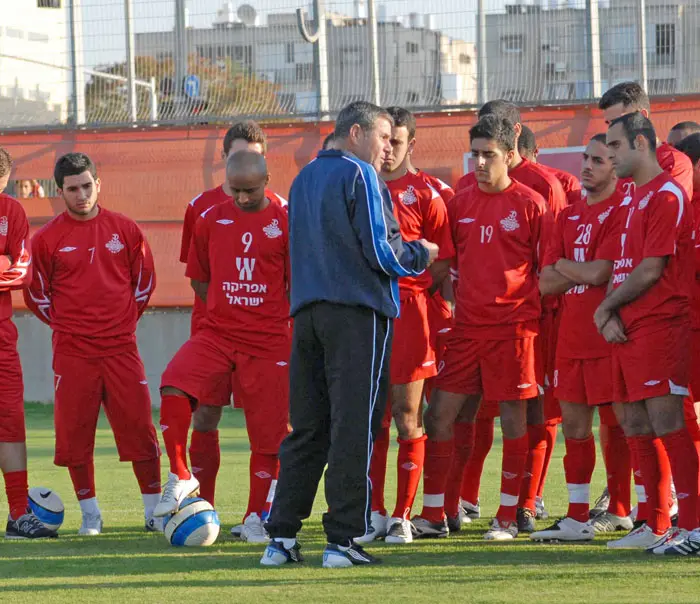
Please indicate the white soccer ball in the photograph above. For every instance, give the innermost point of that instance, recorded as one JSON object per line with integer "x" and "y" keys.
{"x": 47, "y": 507}
{"x": 195, "y": 523}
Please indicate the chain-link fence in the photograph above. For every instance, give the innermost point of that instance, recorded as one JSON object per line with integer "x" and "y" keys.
{"x": 116, "y": 62}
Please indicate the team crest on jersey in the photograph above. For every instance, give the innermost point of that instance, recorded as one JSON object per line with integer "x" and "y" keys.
{"x": 114, "y": 245}
{"x": 645, "y": 201}
{"x": 273, "y": 230}
{"x": 408, "y": 197}
{"x": 604, "y": 215}
{"x": 3, "y": 226}
{"x": 510, "y": 222}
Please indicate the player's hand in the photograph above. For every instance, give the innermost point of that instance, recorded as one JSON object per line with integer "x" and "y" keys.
{"x": 601, "y": 316}
{"x": 433, "y": 250}
{"x": 614, "y": 331}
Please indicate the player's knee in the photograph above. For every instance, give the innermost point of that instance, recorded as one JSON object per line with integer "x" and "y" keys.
{"x": 206, "y": 418}
{"x": 437, "y": 426}
{"x": 576, "y": 430}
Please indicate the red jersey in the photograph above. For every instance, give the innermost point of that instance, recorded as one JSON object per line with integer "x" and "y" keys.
{"x": 199, "y": 204}
{"x": 445, "y": 190}
{"x": 244, "y": 256}
{"x": 695, "y": 303}
{"x": 584, "y": 233}
{"x": 14, "y": 242}
{"x": 568, "y": 181}
{"x": 497, "y": 237}
{"x": 657, "y": 222}
{"x": 676, "y": 163}
{"x": 92, "y": 281}
{"x": 421, "y": 213}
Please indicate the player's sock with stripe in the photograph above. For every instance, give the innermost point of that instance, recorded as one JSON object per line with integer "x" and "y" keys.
{"x": 16, "y": 489}
{"x": 175, "y": 418}
{"x": 463, "y": 445}
{"x": 551, "y": 440}
{"x": 438, "y": 457}
{"x": 83, "y": 479}
{"x": 618, "y": 466}
{"x": 377, "y": 468}
{"x": 409, "y": 468}
{"x": 579, "y": 463}
{"x": 515, "y": 452}
{"x": 656, "y": 475}
{"x": 205, "y": 459}
{"x": 537, "y": 448}
{"x": 640, "y": 491}
{"x": 147, "y": 474}
{"x": 263, "y": 470}
{"x": 471, "y": 478}
{"x": 683, "y": 459}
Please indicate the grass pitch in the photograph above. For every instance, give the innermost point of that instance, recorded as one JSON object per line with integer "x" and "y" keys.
{"x": 127, "y": 565}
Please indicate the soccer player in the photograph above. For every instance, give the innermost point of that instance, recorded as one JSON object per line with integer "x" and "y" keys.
{"x": 646, "y": 315}
{"x": 629, "y": 97}
{"x": 15, "y": 274}
{"x": 205, "y": 454}
{"x": 496, "y": 225}
{"x": 527, "y": 147}
{"x": 680, "y": 131}
{"x": 239, "y": 265}
{"x": 422, "y": 214}
{"x": 578, "y": 264}
{"x": 93, "y": 277}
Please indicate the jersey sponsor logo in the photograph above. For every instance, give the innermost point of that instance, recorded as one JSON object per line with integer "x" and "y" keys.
{"x": 281, "y": 363}
{"x": 604, "y": 215}
{"x": 163, "y": 427}
{"x": 652, "y": 383}
{"x": 574, "y": 217}
{"x": 509, "y": 475}
{"x": 510, "y": 223}
{"x": 67, "y": 249}
{"x": 273, "y": 230}
{"x": 245, "y": 268}
{"x": 408, "y": 197}
{"x": 3, "y": 226}
{"x": 645, "y": 201}
{"x": 523, "y": 386}
{"x": 409, "y": 466}
{"x": 44, "y": 494}
{"x": 143, "y": 382}
{"x": 114, "y": 245}
{"x": 224, "y": 221}
{"x": 466, "y": 220}
{"x": 196, "y": 470}
{"x": 263, "y": 475}
{"x": 428, "y": 363}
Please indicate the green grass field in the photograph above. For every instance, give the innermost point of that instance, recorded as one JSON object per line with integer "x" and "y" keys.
{"x": 126, "y": 564}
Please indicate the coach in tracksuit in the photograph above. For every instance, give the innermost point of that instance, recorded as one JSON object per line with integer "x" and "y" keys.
{"x": 346, "y": 255}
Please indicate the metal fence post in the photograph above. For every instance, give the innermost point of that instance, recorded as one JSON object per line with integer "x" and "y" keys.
{"x": 594, "y": 46}
{"x": 130, "y": 62}
{"x": 77, "y": 68}
{"x": 643, "y": 70}
{"x": 373, "y": 51}
{"x": 482, "y": 76}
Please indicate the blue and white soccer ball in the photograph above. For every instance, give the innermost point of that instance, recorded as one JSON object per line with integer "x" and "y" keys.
{"x": 47, "y": 507}
{"x": 196, "y": 523}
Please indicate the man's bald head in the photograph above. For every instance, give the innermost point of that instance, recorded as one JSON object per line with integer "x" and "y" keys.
{"x": 246, "y": 162}
{"x": 247, "y": 176}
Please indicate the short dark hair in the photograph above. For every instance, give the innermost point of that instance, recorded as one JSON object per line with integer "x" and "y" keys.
{"x": 72, "y": 164}
{"x": 600, "y": 138}
{"x": 247, "y": 130}
{"x": 634, "y": 125}
{"x": 690, "y": 145}
{"x": 691, "y": 127}
{"x": 403, "y": 118}
{"x": 629, "y": 94}
{"x": 328, "y": 140}
{"x": 501, "y": 108}
{"x": 527, "y": 141}
{"x": 5, "y": 162}
{"x": 495, "y": 128}
{"x": 363, "y": 114}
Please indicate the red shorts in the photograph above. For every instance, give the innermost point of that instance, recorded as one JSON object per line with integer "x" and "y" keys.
{"x": 412, "y": 355}
{"x": 695, "y": 364}
{"x": 488, "y": 410}
{"x": 500, "y": 370}
{"x": 11, "y": 387}
{"x": 439, "y": 317}
{"x": 585, "y": 381}
{"x": 81, "y": 386}
{"x": 205, "y": 362}
{"x": 546, "y": 356}
{"x": 652, "y": 365}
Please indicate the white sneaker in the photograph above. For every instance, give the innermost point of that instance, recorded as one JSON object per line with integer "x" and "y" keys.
{"x": 611, "y": 523}
{"x": 674, "y": 537}
{"x": 540, "y": 512}
{"x": 237, "y": 530}
{"x": 472, "y": 510}
{"x": 155, "y": 525}
{"x": 91, "y": 525}
{"x": 506, "y": 531}
{"x": 174, "y": 493}
{"x": 399, "y": 531}
{"x": 377, "y": 529}
{"x": 253, "y": 530}
{"x": 641, "y": 538}
{"x": 565, "y": 529}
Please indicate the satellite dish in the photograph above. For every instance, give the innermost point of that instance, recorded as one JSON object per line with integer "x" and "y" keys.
{"x": 246, "y": 13}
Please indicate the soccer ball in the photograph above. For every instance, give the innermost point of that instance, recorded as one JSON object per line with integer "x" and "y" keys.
{"x": 195, "y": 523}
{"x": 47, "y": 507}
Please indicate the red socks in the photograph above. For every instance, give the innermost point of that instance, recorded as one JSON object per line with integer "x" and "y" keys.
{"x": 464, "y": 444}
{"x": 205, "y": 459}
{"x": 175, "y": 418}
{"x": 263, "y": 470}
{"x": 83, "y": 478}
{"x": 409, "y": 467}
{"x": 656, "y": 475}
{"x": 377, "y": 469}
{"x": 684, "y": 465}
{"x": 438, "y": 457}
{"x": 148, "y": 475}
{"x": 16, "y": 489}
{"x": 483, "y": 441}
{"x": 579, "y": 463}
{"x": 551, "y": 440}
{"x": 537, "y": 449}
{"x": 618, "y": 465}
{"x": 515, "y": 454}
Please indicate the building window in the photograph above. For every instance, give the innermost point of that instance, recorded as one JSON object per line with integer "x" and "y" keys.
{"x": 411, "y": 48}
{"x": 49, "y": 3}
{"x": 289, "y": 52}
{"x": 34, "y": 37}
{"x": 665, "y": 44}
{"x": 412, "y": 97}
{"x": 465, "y": 59}
{"x": 512, "y": 43}
{"x": 662, "y": 86}
{"x": 304, "y": 72}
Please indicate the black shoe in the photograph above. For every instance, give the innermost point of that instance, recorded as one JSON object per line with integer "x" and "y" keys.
{"x": 674, "y": 520}
{"x": 28, "y": 526}
{"x": 277, "y": 555}
{"x": 601, "y": 504}
{"x": 454, "y": 523}
{"x": 526, "y": 520}
{"x": 424, "y": 529}
{"x": 337, "y": 556}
